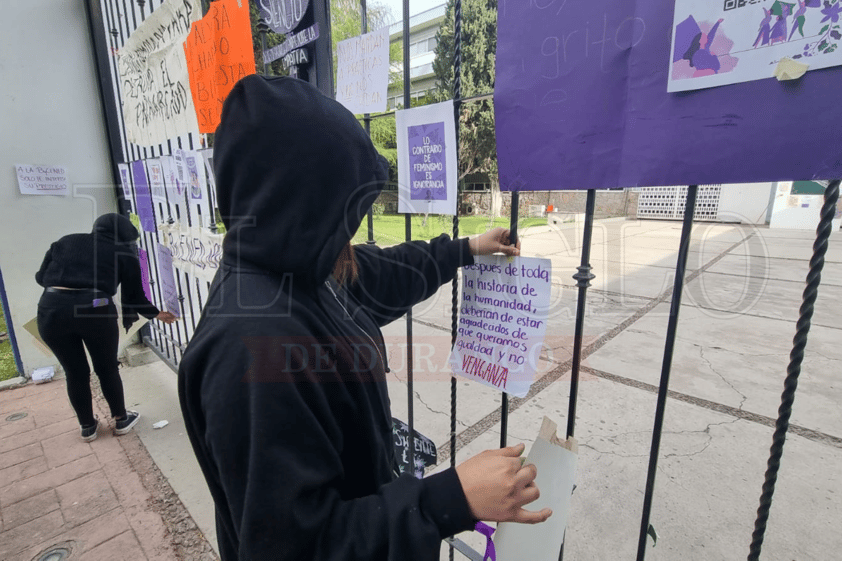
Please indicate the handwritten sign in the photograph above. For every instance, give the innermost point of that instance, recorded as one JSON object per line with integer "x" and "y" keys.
{"x": 427, "y": 159}
{"x": 502, "y": 321}
{"x": 283, "y": 16}
{"x": 157, "y": 104}
{"x": 194, "y": 250}
{"x": 425, "y": 449}
{"x": 42, "y": 180}
{"x": 143, "y": 198}
{"x": 303, "y": 37}
{"x": 156, "y": 181}
{"x": 581, "y": 102}
{"x": 143, "y": 259}
{"x": 219, "y": 52}
{"x": 169, "y": 290}
{"x": 125, "y": 183}
{"x": 362, "y": 74}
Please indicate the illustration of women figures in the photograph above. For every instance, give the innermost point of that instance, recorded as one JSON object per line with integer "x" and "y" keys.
{"x": 765, "y": 29}
{"x": 699, "y": 55}
{"x": 798, "y": 24}
{"x": 778, "y": 34}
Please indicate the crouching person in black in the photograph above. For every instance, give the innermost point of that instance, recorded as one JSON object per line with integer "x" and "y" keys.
{"x": 283, "y": 385}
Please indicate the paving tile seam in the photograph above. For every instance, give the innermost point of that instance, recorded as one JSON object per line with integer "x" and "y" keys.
{"x": 813, "y": 323}
{"x": 773, "y": 279}
{"x": 474, "y": 431}
{"x": 810, "y": 434}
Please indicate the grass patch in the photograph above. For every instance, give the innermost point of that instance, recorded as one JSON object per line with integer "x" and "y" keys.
{"x": 391, "y": 229}
{"x": 8, "y": 368}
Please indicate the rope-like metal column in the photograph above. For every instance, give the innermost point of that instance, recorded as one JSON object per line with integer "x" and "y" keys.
{"x": 367, "y": 124}
{"x": 457, "y": 110}
{"x": 666, "y": 366}
{"x": 504, "y": 403}
{"x": 796, "y": 357}
{"x": 408, "y": 228}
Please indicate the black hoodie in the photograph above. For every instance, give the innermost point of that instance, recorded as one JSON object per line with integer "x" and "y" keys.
{"x": 101, "y": 260}
{"x": 283, "y": 384}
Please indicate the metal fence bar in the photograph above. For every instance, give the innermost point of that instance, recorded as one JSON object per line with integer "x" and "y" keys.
{"x": 796, "y": 357}
{"x": 675, "y": 307}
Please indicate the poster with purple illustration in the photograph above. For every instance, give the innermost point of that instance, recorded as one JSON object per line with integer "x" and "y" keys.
{"x": 143, "y": 258}
{"x": 427, "y": 172}
{"x": 195, "y": 174}
{"x": 581, "y": 97}
{"x": 143, "y": 197}
{"x": 169, "y": 290}
{"x": 124, "y": 181}
{"x": 722, "y": 43}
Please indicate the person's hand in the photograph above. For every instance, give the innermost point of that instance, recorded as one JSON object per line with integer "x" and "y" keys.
{"x": 166, "y": 317}
{"x": 497, "y": 486}
{"x": 495, "y": 240}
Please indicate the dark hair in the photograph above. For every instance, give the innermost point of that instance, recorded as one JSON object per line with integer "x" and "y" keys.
{"x": 345, "y": 269}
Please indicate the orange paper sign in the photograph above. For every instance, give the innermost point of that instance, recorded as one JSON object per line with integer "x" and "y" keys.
{"x": 219, "y": 52}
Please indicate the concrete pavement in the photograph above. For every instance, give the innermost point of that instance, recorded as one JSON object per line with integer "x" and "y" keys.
{"x": 736, "y": 326}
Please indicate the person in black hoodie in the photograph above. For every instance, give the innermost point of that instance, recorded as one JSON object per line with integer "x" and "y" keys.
{"x": 283, "y": 385}
{"x": 80, "y": 274}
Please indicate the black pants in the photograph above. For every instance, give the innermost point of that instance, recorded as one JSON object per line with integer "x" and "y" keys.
{"x": 68, "y": 322}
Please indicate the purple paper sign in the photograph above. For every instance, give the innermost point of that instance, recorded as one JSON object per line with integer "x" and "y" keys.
{"x": 143, "y": 258}
{"x": 169, "y": 290}
{"x": 427, "y": 162}
{"x": 143, "y": 197}
{"x": 581, "y": 102}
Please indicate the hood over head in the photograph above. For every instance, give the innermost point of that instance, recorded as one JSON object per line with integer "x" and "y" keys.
{"x": 295, "y": 176}
{"x": 115, "y": 227}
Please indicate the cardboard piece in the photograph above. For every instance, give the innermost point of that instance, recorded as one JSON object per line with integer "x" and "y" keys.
{"x": 556, "y": 463}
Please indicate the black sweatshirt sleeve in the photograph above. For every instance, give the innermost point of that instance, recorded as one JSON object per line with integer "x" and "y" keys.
{"x": 132, "y": 297}
{"x": 394, "y": 279}
{"x": 281, "y": 442}
{"x": 48, "y": 257}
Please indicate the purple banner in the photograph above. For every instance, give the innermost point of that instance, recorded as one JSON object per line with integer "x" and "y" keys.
{"x": 581, "y": 102}
{"x": 143, "y": 197}
{"x": 166, "y": 277}
{"x": 143, "y": 258}
{"x": 427, "y": 162}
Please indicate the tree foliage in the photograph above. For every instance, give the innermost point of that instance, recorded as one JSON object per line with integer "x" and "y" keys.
{"x": 477, "y": 141}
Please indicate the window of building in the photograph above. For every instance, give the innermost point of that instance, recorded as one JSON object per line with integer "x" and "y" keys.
{"x": 422, "y": 47}
{"x": 421, "y": 70}
{"x": 477, "y": 187}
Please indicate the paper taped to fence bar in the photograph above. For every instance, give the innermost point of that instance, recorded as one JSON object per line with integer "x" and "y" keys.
{"x": 195, "y": 250}
{"x": 427, "y": 165}
{"x": 169, "y": 289}
{"x": 556, "y": 463}
{"x": 362, "y": 72}
{"x": 157, "y": 104}
{"x": 157, "y": 186}
{"x": 502, "y": 321}
{"x": 219, "y": 53}
{"x": 581, "y": 98}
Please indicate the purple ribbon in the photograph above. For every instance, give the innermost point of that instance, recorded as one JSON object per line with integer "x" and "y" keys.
{"x": 486, "y": 530}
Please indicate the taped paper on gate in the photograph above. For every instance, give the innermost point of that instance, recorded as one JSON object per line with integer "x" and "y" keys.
{"x": 195, "y": 250}
{"x": 555, "y": 460}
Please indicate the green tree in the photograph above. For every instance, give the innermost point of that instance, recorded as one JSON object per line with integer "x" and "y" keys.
{"x": 477, "y": 141}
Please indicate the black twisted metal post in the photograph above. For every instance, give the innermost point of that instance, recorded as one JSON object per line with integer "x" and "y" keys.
{"x": 457, "y": 109}
{"x": 796, "y": 357}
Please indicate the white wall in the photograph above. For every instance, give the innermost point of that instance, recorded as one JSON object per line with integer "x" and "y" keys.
{"x": 50, "y": 113}
{"x": 798, "y": 212}
{"x": 747, "y": 203}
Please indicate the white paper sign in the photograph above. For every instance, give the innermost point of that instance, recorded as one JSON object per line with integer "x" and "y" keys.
{"x": 502, "y": 321}
{"x": 175, "y": 189}
{"x": 156, "y": 181}
{"x": 125, "y": 183}
{"x": 196, "y": 181}
{"x": 427, "y": 165}
{"x": 195, "y": 250}
{"x": 732, "y": 41}
{"x": 157, "y": 103}
{"x": 207, "y": 156}
{"x": 36, "y": 179}
{"x": 180, "y": 159}
{"x": 362, "y": 73}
